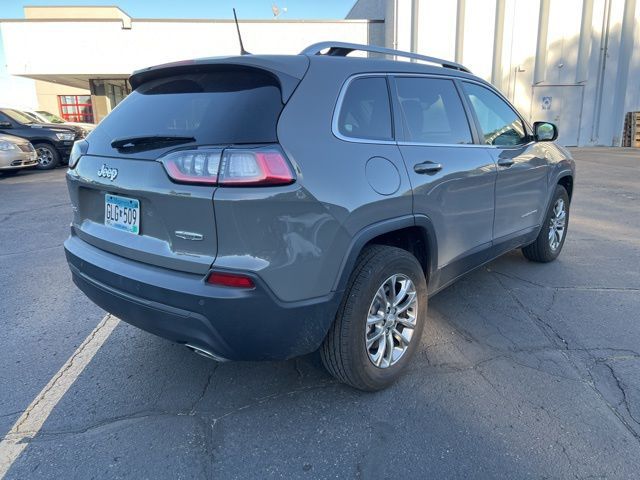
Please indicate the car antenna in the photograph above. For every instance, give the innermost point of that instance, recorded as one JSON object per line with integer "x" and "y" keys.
{"x": 242, "y": 50}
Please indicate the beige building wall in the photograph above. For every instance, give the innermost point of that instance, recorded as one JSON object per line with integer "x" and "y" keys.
{"x": 78, "y": 13}
{"x": 101, "y": 107}
{"x": 47, "y": 95}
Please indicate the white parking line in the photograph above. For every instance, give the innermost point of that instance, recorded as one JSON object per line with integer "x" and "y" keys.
{"x": 32, "y": 419}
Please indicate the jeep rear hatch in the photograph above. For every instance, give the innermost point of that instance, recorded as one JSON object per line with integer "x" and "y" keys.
{"x": 155, "y": 158}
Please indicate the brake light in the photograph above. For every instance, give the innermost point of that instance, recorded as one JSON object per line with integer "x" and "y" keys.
{"x": 80, "y": 147}
{"x": 230, "y": 280}
{"x": 193, "y": 166}
{"x": 249, "y": 167}
{"x": 231, "y": 167}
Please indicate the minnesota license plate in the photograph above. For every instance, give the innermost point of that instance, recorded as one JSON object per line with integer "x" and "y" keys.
{"x": 122, "y": 213}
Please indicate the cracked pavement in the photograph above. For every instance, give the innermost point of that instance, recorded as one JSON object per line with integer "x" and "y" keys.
{"x": 524, "y": 371}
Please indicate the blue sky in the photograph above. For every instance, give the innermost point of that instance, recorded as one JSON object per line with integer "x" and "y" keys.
{"x": 199, "y": 8}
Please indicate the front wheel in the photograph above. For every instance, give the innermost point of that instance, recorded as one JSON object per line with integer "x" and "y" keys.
{"x": 48, "y": 156}
{"x": 553, "y": 233}
{"x": 380, "y": 320}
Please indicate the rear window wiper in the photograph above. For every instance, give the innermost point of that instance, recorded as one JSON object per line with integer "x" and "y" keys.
{"x": 148, "y": 142}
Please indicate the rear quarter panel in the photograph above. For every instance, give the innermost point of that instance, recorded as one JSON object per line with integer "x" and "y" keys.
{"x": 296, "y": 237}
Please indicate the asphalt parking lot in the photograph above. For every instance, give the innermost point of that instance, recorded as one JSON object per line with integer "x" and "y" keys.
{"x": 525, "y": 370}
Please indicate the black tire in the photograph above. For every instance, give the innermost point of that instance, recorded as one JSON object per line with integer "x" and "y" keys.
{"x": 541, "y": 250}
{"x": 344, "y": 352}
{"x": 48, "y": 156}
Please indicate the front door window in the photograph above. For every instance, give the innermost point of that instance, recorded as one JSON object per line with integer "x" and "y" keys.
{"x": 499, "y": 123}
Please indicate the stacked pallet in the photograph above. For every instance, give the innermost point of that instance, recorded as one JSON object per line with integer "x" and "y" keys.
{"x": 631, "y": 131}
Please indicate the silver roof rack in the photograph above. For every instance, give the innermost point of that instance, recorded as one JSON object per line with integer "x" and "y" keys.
{"x": 342, "y": 49}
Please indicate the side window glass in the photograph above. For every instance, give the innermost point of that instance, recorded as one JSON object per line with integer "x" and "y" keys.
{"x": 499, "y": 123}
{"x": 365, "y": 111}
{"x": 432, "y": 110}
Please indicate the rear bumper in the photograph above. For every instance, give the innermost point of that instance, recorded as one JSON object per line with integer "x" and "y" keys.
{"x": 234, "y": 324}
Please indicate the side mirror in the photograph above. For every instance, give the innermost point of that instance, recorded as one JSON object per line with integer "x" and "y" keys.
{"x": 5, "y": 124}
{"x": 545, "y": 131}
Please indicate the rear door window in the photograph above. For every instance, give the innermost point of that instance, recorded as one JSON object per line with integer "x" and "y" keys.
{"x": 365, "y": 112}
{"x": 228, "y": 106}
{"x": 432, "y": 111}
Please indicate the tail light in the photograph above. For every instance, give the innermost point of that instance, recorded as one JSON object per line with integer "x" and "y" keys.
{"x": 193, "y": 166}
{"x": 79, "y": 148}
{"x": 230, "y": 280}
{"x": 230, "y": 167}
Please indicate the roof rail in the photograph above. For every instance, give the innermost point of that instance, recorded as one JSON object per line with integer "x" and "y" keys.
{"x": 342, "y": 49}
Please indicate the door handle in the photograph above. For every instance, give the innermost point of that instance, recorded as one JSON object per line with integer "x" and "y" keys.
{"x": 506, "y": 162}
{"x": 427, "y": 167}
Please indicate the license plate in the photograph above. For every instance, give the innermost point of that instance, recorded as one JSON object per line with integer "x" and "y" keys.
{"x": 122, "y": 213}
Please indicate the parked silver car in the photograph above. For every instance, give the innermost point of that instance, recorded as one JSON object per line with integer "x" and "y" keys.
{"x": 15, "y": 154}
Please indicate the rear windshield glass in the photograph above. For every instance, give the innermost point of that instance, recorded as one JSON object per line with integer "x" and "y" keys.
{"x": 216, "y": 107}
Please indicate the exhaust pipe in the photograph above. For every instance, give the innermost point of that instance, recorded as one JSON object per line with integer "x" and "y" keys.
{"x": 206, "y": 353}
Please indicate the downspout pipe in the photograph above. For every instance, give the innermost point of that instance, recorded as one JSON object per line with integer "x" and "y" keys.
{"x": 460, "y": 30}
{"x": 584, "y": 48}
{"x": 602, "y": 65}
{"x": 414, "y": 25}
{"x": 498, "y": 34}
{"x": 624, "y": 58}
{"x": 540, "y": 68}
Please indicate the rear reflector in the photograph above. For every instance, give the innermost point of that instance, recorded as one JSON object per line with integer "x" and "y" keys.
{"x": 230, "y": 280}
{"x": 231, "y": 167}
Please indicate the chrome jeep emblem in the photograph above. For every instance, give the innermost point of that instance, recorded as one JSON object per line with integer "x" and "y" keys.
{"x": 108, "y": 172}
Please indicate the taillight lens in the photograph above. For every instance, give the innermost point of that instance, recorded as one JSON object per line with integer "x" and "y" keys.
{"x": 193, "y": 166}
{"x": 80, "y": 147}
{"x": 230, "y": 280}
{"x": 254, "y": 167}
{"x": 231, "y": 167}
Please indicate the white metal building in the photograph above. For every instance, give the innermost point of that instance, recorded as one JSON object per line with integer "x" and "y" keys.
{"x": 572, "y": 62}
{"x": 103, "y": 46}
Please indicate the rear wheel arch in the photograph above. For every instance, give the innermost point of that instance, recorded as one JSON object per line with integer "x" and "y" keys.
{"x": 414, "y": 234}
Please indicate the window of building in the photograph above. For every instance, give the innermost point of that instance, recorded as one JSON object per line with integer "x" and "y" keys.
{"x": 499, "y": 123}
{"x": 76, "y": 108}
{"x": 365, "y": 111}
{"x": 433, "y": 111}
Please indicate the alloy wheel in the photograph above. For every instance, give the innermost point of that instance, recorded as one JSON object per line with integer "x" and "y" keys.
{"x": 557, "y": 224}
{"x": 45, "y": 156}
{"x": 391, "y": 321}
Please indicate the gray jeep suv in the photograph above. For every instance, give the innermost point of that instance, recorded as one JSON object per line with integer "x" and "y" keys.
{"x": 264, "y": 207}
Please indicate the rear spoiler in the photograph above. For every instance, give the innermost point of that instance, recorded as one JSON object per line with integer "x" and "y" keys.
{"x": 288, "y": 69}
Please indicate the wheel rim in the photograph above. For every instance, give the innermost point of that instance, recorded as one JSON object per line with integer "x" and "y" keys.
{"x": 391, "y": 321}
{"x": 45, "y": 157}
{"x": 557, "y": 224}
